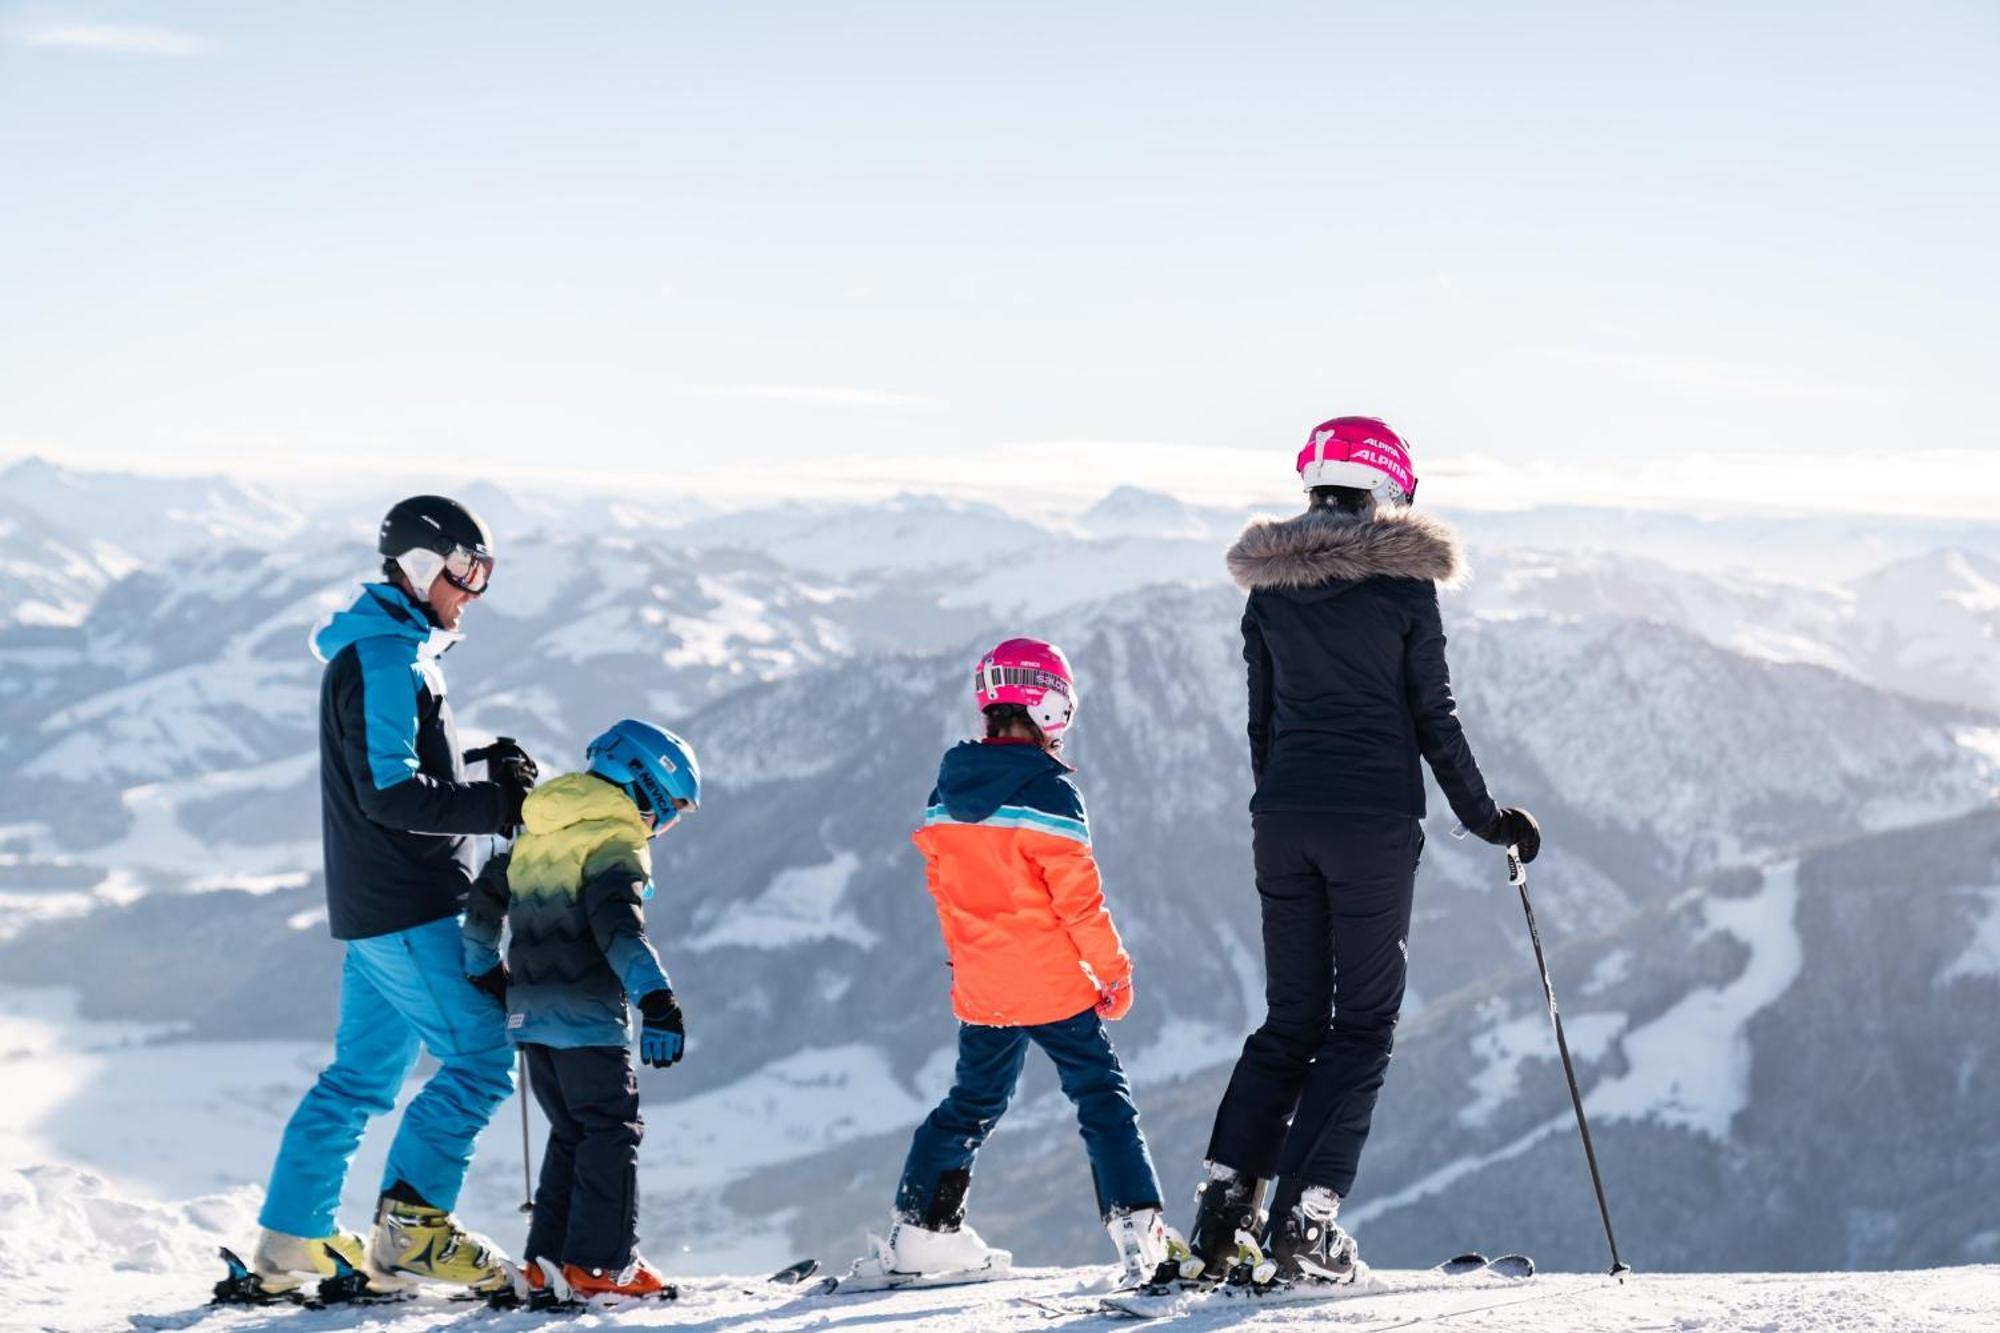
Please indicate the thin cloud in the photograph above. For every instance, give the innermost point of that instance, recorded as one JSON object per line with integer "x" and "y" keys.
{"x": 119, "y": 40}
{"x": 818, "y": 395}
{"x": 1718, "y": 379}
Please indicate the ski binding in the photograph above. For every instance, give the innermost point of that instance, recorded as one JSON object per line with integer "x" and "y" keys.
{"x": 347, "y": 1285}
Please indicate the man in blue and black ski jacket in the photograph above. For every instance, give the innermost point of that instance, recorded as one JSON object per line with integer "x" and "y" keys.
{"x": 398, "y": 819}
{"x": 396, "y": 811}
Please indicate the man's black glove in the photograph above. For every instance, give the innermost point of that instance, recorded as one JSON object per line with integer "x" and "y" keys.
{"x": 520, "y": 774}
{"x": 494, "y": 981}
{"x": 661, "y": 1037}
{"x": 512, "y": 795}
{"x": 514, "y": 769}
{"x": 508, "y": 752}
{"x": 1516, "y": 828}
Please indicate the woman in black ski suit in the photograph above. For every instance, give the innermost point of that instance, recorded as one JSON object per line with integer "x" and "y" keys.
{"x": 1348, "y": 686}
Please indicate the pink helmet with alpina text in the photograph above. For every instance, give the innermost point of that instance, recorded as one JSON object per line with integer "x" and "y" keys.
{"x": 1033, "y": 674}
{"x": 1360, "y": 452}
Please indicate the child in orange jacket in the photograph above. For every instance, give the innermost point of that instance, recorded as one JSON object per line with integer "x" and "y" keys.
{"x": 1035, "y": 959}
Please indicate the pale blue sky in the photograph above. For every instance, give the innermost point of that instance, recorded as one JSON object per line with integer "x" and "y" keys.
{"x": 1568, "y": 249}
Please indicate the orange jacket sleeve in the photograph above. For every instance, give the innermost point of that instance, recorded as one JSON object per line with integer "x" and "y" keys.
{"x": 1070, "y": 872}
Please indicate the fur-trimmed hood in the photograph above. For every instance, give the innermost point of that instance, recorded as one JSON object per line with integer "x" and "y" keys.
{"x": 1322, "y": 546}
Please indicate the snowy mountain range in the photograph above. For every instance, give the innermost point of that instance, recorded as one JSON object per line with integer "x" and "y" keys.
{"x": 1772, "y": 881}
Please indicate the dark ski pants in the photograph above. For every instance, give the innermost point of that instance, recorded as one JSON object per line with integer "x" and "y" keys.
{"x": 939, "y": 1168}
{"x": 587, "y": 1202}
{"x": 1335, "y": 889}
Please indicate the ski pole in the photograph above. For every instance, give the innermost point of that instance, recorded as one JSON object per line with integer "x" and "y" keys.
{"x": 1517, "y": 875}
{"x": 527, "y": 1172}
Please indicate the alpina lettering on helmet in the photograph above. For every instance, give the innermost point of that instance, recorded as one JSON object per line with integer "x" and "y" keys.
{"x": 1359, "y": 452}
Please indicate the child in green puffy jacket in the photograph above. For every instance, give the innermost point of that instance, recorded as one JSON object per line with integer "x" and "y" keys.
{"x": 572, "y": 888}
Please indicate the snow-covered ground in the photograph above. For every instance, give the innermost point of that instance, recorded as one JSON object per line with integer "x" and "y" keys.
{"x": 75, "y": 1255}
{"x": 156, "y": 1121}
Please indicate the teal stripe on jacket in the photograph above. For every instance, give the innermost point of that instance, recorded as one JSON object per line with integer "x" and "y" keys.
{"x": 1017, "y": 816}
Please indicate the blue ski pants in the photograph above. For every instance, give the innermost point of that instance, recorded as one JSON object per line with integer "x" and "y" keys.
{"x": 938, "y": 1171}
{"x": 396, "y": 991}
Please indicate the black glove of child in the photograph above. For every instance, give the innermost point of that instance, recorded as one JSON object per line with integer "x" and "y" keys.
{"x": 661, "y": 1037}
{"x": 1516, "y": 828}
{"x": 494, "y": 981}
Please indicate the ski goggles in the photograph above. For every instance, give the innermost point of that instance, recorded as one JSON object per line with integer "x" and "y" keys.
{"x": 651, "y": 807}
{"x": 468, "y": 571}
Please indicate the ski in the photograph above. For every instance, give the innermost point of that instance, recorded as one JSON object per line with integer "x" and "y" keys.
{"x": 1170, "y": 1300}
{"x": 347, "y": 1286}
{"x": 793, "y": 1274}
{"x": 859, "y": 1279}
{"x": 1515, "y": 1266}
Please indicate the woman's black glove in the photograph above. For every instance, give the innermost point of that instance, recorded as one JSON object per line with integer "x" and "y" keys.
{"x": 1516, "y": 828}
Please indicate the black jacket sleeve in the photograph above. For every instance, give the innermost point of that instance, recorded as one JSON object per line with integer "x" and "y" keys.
{"x": 1257, "y": 658}
{"x": 485, "y": 911}
{"x": 613, "y": 901}
{"x": 1439, "y": 735}
{"x": 377, "y": 707}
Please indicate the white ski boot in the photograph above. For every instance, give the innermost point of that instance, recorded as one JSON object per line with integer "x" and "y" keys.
{"x": 1145, "y": 1243}
{"x": 914, "y": 1249}
{"x": 916, "y": 1256}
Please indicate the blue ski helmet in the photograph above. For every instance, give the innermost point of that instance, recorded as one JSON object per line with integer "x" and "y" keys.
{"x": 656, "y": 768}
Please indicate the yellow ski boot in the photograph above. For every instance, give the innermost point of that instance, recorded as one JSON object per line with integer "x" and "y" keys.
{"x": 281, "y": 1263}
{"x": 417, "y": 1240}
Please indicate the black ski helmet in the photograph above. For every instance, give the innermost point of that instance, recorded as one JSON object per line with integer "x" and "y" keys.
{"x": 453, "y": 538}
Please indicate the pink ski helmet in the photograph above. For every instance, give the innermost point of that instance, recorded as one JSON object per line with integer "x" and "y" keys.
{"x": 1033, "y": 674}
{"x": 1360, "y": 452}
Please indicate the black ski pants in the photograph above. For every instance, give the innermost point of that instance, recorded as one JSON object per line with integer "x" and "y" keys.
{"x": 1335, "y": 888}
{"x": 587, "y": 1202}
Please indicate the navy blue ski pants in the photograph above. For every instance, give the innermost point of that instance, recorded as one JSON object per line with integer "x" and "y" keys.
{"x": 587, "y": 1201}
{"x": 989, "y": 1065}
{"x": 1335, "y": 889}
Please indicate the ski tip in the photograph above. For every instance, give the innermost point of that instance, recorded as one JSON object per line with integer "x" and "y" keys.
{"x": 793, "y": 1274}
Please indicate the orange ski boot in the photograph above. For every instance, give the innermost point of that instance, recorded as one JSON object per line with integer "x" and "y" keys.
{"x": 639, "y": 1280}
